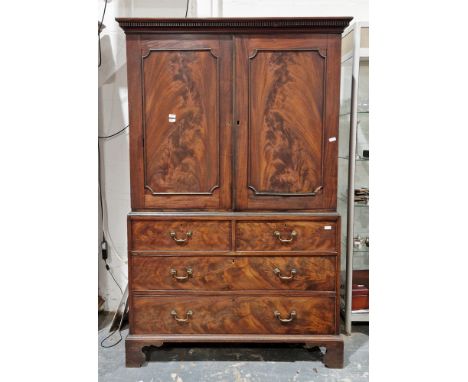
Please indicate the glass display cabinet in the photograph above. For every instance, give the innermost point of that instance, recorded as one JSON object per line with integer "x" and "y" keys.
{"x": 353, "y": 174}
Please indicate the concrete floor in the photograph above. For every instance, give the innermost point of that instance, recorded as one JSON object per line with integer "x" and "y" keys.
{"x": 239, "y": 363}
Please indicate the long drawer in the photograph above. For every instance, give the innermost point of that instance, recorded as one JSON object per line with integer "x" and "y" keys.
{"x": 247, "y": 314}
{"x": 284, "y": 236}
{"x": 233, "y": 273}
{"x": 180, "y": 235}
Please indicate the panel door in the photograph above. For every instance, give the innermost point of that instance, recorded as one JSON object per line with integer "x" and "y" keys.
{"x": 286, "y": 117}
{"x": 180, "y": 114}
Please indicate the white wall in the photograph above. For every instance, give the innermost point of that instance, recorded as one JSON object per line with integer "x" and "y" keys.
{"x": 113, "y": 109}
{"x": 359, "y": 9}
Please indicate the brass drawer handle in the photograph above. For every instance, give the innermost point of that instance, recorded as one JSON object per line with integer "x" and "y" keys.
{"x": 188, "y": 235}
{"x": 187, "y": 316}
{"x": 292, "y": 316}
{"x": 278, "y": 235}
{"x": 189, "y": 273}
{"x": 277, "y": 272}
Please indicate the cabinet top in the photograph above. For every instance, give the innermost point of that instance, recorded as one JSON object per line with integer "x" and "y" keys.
{"x": 234, "y": 25}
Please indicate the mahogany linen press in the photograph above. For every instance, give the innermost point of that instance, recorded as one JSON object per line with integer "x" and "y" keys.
{"x": 234, "y": 234}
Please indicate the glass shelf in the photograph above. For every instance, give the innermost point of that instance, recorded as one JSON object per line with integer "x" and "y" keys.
{"x": 358, "y": 158}
{"x": 356, "y": 204}
{"x": 356, "y": 315}
{"x": 358, "y": 113}
{"x": 360, "y": 315}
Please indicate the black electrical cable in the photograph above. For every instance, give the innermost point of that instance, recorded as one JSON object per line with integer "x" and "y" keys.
{"x": 99, "y": 33}
{"x": 100, "y": 191}
{"x": 101, "y": 204}
{"x": 116, "y": 330}
{"x": 186, "y": 8}
{"x": 102, "y": 18}
{"x": 113, "y": 135}
{"x": 108, "y": 270}
{"x": 111, "y": 334}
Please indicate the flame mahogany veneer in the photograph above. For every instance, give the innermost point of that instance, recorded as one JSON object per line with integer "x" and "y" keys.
{"x": 233, "y": 234}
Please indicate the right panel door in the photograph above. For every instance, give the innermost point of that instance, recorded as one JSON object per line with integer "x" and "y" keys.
{"x": 286, "y": 122}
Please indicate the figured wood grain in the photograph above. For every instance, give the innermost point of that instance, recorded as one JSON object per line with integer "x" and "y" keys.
{"x": 156, "y": 235}
{"x": 286, "y": 110}
{"x": 187, "y": 163}
{"x": 181, "y": 156}
{"x": 234, "y": 314}
{"x": 286, "y": 96}
{"x": 233, "y": 273}
{"x": 311, "y": 236}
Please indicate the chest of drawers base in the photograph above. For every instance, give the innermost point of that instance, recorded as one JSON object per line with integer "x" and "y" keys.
{"x": 136, "y": 354}
{"x": 234, "y": 277}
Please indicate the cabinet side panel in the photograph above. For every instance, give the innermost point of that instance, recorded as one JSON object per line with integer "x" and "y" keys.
{"x": 135, "y": 120}
{"x": 332, "y": 112}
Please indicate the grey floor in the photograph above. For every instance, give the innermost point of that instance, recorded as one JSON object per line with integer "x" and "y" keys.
{"x": 239, "y": 363}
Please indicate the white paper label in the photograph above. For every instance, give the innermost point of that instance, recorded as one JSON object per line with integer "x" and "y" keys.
{"x": 172, "y": 117}
{"x": 332, "y": 139}
{"x": 327, "y": 227}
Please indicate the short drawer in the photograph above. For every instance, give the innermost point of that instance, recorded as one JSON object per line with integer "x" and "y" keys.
{"x": 180, "y": 235}
{"x": 233, "y": 273}
{"x": 233, "y": 314}
{"x": 286, "y": 236}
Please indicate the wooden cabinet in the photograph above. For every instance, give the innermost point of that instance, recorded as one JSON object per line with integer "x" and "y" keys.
{"x": 233, "y": 234}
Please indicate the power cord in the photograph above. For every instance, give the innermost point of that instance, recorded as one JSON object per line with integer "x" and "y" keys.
{"x": 113, "y": 135}
{"x": 110, "y": 335}
{"x": 108, "y": 269}
{"x": 109, "y": 237}
{"x": 186, "y": 8}
{"x": 104, "y": 257}
{"x": 101, "y": 204}
{"x": 115, "y": 331}
{"x": 99, "y": 33}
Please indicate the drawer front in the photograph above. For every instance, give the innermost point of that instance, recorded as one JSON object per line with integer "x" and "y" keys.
{"x": 233, "y": 315}
{"x": 286, "y": 236}
{"x": 233, "y": 273}
{"x": 180, "y": 235}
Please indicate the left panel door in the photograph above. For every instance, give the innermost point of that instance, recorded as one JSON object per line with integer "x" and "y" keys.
{"x": 180, "y": 104}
